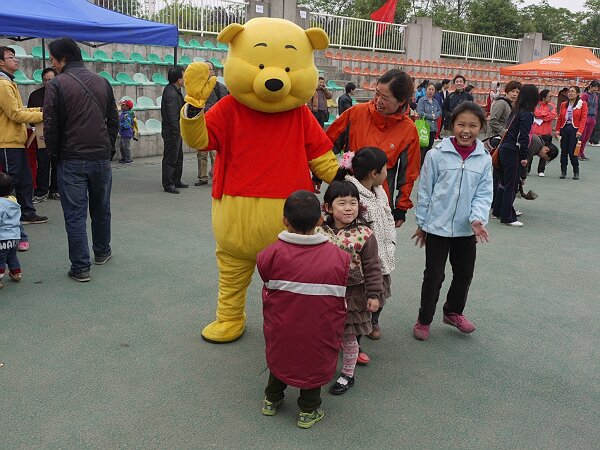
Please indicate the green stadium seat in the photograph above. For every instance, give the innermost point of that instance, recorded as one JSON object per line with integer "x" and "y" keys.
{"x": 153, "y": 58}
{"x": 138, "y": 58}
{"x": 20, "y": 52}
{"x": 208, "y": 45}
{"x": 184, "y": 60}
{"x": 100, "y": 55}
{"x": 182, "y": 44}
{"x": 169, "y": 60}
{"x": 330, "y": 120}
{"x": 222, "y": 46}
{"x": 86, "y": 56}
{"x": 141, "y": 79}
{"x": 37, "y": 76}
{"x": 107, "y": 76}
{"x": 146, "y": 103}
{"x": 154, "y": 125}
{"x": 196, "y": 45}
{"x": 143, "y": 129}
{"x": 159, "y": 101}
{"x": 21, "y": 78}
{"x": 199, "y": 59}
{"x": 159, "y": 78}
{"x": 121, "y": 58}
{"x": 36, "y": 52}
{"x": 334, "y": 86}
{"x": 216, "y": 63}
{"x": 125, "y": 78}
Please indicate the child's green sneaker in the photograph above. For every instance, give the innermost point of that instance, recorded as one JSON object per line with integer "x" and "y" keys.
{"x": 270, "y": 408}
{"x": 307, "y": 420}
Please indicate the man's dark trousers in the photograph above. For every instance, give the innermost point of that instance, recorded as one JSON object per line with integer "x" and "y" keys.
{"x": 321, "y": 117}
{"x": 172, "y": 162}
{"x": 309, "y": 400}
{"x": 14, "y": 163}
{"x": 79, "y": 180}
{"x": 46, "y": 179}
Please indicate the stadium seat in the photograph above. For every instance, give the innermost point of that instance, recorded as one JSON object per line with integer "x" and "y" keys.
{"x": 347, "y": 69}
{"x": 153, "y": 58}
{"x": 159, "y": 101}
{"x": 159, "y": 78}
{"x": 334, "y": 86}
{"x": 208, "y": 45}
{"x": 169, "y": 59}
{"x": 100, "y": 55}
{"x": 329, "y": 55}
{"x": 121, "y": 58}
{"x": 37, "y": 76}
{"x": 330, "y": 119}
{"x": 222, "y": 46}
{"x": 143, "y": 129}
{"x": 199, "y": 59}
{"x": 216, "y": 63}
{"x": 86, "y": 56}
{"x": 146, "y": 103}
{"x": 385, "y": 60}
{"x": 154, "y": 125}
{"x": 394, "y": 60}
{"x": 183, "y": 44}
{"x": 184, "y": 60}
{"x": 376, "y": 59}
{"x": 36, "y": 52}
{"x": 108, "y": 77}
{"x": 125, "y": 78}
{"x": 196, "y": 44}
{"x": 20, "y": 52}
{"x": 138, "y": 58}
{"x": 142, "y": 80}
{"x": 21, "y": 78}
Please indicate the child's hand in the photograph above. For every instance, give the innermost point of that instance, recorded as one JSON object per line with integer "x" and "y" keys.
{"x": 481, "y": 234}
{"x": 419, "y": 237}
{"x": 373, "y": 304}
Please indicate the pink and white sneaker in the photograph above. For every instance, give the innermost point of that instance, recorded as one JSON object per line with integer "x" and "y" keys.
{"x": 420, "y": 331}
{"x": 459, "y": 321}
{"x": 23, "y": 246}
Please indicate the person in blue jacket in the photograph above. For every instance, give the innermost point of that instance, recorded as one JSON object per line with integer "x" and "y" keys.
{"x": 429, "y": 109}
{"x": 455, "y": 195}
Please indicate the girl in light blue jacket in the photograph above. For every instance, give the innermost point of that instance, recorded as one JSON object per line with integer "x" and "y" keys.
{"x": 455, "y": 195}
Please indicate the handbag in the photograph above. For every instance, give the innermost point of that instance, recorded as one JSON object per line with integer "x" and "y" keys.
{"x": 423, "y": 130}
{"x": 495, "y": 151}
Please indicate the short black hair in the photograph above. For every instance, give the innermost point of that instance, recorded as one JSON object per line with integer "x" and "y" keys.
{"x": 512, "y": 85}
{"x": 4, "y": 49}
{"x": 401, "y": 85}
{"x": 350, "y": 87}
{"x": 552, "y": 151}
{"x": 48, "y": 70}
{"x": 302, "y": 210}
{"x": 366, "y": 160}
{"x": 321, "y": 77}
{"x": 471, "y": 107}
{"x": 445, "y": 81}
{"x": 438, "y": 87}
{"x": 65, "y": 48}
{"x": 339, "y": 189}
{"x": 6, "y": 185}
{"x": 594, "y": 83}
{"x": 175, "y": 73}
{"x": 457, "y": 77}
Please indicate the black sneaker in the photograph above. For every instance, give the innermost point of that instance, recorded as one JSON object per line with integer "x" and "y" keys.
{"x": 80, "y": 276}
{"x": 26, "y": 220}
{"x": 576, "y": 176}
{"x": 182, "y": 185}
{"x": 54, "y": 196}
{"x": 563, "y": 175}
{"x": 171, "y": 190}
{"x": 341, "y": 386}
{"x": 99, "y": 260}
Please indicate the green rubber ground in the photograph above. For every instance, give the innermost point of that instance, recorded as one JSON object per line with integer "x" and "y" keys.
{"x": 118, "y": 362}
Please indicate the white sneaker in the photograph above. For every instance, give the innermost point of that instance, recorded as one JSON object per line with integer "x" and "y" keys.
{"x": 518, "y": 213}
{"x": 541, "y": 174}
{"x": 516, "y": 223}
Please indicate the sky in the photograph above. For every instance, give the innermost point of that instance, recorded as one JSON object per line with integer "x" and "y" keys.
{"x": 573, "y": 5}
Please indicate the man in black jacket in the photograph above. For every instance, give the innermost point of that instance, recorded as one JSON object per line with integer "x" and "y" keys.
{"x": 454, "y": 99}
{"x": 80, "y": 129}
{"x": 345, "y": 100}
{"x": 172, "y": 102}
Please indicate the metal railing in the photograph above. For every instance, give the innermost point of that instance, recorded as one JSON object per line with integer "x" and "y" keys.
{"x": 456, "y": 44}
{"x": 348, "y": 32}
{"x": 557, "y": 47}
{"x": 190, "y": 16}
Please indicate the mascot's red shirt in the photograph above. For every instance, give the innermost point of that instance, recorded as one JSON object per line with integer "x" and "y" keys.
{"x": 262, "y": 154}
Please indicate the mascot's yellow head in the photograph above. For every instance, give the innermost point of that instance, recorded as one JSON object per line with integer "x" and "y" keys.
{"x": 270, "y": 65}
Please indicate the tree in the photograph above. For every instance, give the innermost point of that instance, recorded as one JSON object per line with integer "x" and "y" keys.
{"x": 494, "y": 18}
{"x": 555, "y": 24}
{"x": 588, "y": 31}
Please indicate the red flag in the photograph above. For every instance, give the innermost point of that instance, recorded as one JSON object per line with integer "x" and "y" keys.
{"x": 384, "y": 14}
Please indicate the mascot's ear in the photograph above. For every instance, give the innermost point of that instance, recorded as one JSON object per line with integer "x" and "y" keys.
{"x": 229, "y": 32}
{"x": 318, "y": 38}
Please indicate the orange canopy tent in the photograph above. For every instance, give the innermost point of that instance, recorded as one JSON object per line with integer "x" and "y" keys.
{"x": 570, "y": 62}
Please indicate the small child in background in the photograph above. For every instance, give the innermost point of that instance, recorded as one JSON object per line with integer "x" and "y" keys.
{"x": 365, "y": 281}
{"x": 304, "y": 308}
{"x": 455, "y": 195}
{"x": 126, "y": 130}
{"x": 10, "y": 231}
{"x": 366, "y": 169}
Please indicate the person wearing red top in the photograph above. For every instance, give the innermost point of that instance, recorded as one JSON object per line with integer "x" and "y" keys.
{"x": 544, "y": 114}
{"x": 303, "y": 307}
{"x": 570, "y": 126}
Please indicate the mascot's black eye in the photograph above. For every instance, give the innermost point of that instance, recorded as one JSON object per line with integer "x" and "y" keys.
{"x": 261, "y": 66}
{"x": 287, "y": 69}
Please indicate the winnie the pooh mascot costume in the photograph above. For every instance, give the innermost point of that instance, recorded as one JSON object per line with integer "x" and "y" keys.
{"x": 267, "y": 142}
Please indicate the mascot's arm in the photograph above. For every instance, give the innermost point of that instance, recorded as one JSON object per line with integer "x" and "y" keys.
{"x": 325, "y": 167}
{"x": 198, "y": 87}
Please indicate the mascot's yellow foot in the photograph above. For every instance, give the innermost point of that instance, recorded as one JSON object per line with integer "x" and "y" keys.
{"x": 222, "y": 332}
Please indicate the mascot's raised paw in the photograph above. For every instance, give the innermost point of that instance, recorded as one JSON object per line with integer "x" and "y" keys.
{"x": 198, "y": 85}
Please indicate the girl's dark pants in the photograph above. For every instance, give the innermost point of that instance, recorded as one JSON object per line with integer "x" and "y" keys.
{"x": 568, "y": 142}
{"x": 462, "y": 259}
{"x": 509, "y": 175}
{"x": 309, "y": 400}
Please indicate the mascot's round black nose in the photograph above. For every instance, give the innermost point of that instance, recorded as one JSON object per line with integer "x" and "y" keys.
{"x": 273, "y": 84}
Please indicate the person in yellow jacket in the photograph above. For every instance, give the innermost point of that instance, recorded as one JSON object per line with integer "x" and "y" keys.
{"x": 267, "y": 142}
{"x": 13, "y": 135}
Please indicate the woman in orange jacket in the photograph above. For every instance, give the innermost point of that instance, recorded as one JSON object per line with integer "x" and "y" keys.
{"x": 570, "y": 126}
{"x": 546, "y": 113}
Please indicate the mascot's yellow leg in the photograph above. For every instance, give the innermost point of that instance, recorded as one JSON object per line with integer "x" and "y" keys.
{"x": 242, "y": 227}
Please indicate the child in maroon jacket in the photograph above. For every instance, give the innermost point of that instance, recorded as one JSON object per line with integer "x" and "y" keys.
{"x": 304, "y": 308}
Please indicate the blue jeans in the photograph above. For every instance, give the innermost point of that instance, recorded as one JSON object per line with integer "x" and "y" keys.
{"x": 78, "y": 181}
{"x": 8, "y": 255}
